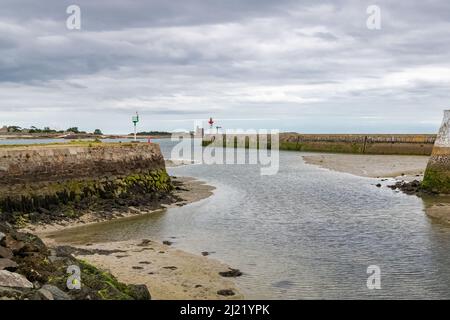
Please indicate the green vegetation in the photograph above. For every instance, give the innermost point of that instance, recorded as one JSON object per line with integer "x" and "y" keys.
{"x": 337, "y": 147}
{"x": 436, "y": 181}
{"x": 33, "y": 129}
{"x": 75, "y": 130}
{"x": 14, "y": 129}
{"x": 107, "y": 286}
{"x": 101, "y": 285}
{"x": 48, "y": 130}
{"x": 68, "y": 143}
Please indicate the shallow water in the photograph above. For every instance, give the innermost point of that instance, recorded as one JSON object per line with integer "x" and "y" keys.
{"x": 304, "y": 233}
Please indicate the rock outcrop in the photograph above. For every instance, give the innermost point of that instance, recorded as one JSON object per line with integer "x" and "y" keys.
{"x": 40, "y": 273}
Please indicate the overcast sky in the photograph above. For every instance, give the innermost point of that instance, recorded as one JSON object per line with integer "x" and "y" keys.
{"x": 306, "y": 66}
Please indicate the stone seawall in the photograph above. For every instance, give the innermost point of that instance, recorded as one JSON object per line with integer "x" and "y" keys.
{"x": 359, "y": 143}
{"x": 437, "y": 174}
{"x": 61, "y": 162}
{"x": 67, "y": 178}
{"x": 354, "y": 143}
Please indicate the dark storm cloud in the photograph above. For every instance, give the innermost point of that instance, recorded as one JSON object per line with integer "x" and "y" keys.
{"x": 234, "y": 58}
{"x": 118, "y": 14}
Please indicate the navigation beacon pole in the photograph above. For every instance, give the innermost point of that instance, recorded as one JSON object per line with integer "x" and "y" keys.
{"x": 135, "y": 120}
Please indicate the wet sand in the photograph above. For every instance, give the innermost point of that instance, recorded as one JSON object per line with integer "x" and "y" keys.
{"x": 375, "y": 166}
{"x": 177, "y": 163}
{"x": 192, "y": 190}
{"x": 169, "y": 273}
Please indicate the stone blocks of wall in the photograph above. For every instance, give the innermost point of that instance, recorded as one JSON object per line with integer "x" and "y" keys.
{"x": 62, "y": 162}
{"x": 354, "y": 143}
{"x": 47, "y": 176}
{"x": 437, "y": 174}
{"x": 359, "y": 143}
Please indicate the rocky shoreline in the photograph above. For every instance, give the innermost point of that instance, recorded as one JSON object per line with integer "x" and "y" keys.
{"x": 29, "y": 270}
{"x": 412, "y": 188}
{"x": 169, "y": 273}
{"x": 137, "y": 266}
{"x": 184, "y": 190}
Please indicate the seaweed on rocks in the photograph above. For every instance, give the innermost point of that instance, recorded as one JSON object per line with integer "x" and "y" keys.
{"x": 41, "y": 273}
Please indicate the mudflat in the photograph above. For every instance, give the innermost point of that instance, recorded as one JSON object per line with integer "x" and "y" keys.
{"x": 374, "y": 166}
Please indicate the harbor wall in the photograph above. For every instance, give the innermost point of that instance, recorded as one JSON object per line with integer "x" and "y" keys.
{"x": 402, "y": 144}
{"x": 37, "y": 177}
{"x": 68, "y": 161}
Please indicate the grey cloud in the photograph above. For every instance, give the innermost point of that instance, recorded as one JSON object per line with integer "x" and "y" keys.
{"x": 231, "y": 58}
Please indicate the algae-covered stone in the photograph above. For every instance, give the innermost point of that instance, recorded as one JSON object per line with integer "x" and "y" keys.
{"x": 65, "y": 194}
{"x": 437, "y": 174}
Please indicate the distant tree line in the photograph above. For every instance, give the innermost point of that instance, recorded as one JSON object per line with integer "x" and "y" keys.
{"x": 34, "y": 129}
{"x": 153, "y": 133}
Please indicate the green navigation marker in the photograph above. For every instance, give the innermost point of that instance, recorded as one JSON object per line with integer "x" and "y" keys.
{"x": 135, "y": 120}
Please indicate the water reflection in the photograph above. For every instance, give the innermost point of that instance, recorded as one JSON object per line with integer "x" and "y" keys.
{"x": 438, "y": 208}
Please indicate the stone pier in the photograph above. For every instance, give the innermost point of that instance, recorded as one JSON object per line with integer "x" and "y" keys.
{"x": 36, "y": 178}
{"x": 437, "y": 174}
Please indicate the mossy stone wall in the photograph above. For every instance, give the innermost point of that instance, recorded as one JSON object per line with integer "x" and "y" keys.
{"x": 351, "y": 143}
{"x": 44, "y": 177}
{"x": 437, "y": 174}
{"x": 23, "y": 164}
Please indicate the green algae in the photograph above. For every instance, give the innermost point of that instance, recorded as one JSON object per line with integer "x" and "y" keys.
{"x": 107, "y": 286}
{"x": 64, "y": 195}
{"x": 102, "y": 285}
{"x": 436, "y": 181}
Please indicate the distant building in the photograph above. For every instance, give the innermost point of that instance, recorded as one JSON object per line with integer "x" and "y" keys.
{"x": 199, "y": 132}
{"x": 4, "y": 129}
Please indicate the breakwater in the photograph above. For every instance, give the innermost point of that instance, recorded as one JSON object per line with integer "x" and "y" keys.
{"x": 65, "y": 178}
{"x": 417, "y": 144}
{"x": 359, "y": 143}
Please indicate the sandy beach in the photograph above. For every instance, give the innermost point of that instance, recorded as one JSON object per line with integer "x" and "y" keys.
{"x": 168, "y": 272}
{"x": 374, "y": 166}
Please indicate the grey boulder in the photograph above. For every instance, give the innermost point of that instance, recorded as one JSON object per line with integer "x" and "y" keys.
{"x": 13, "y": 280}
{"x": 7, "y": 264}
{"x": 55, "y": 292}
